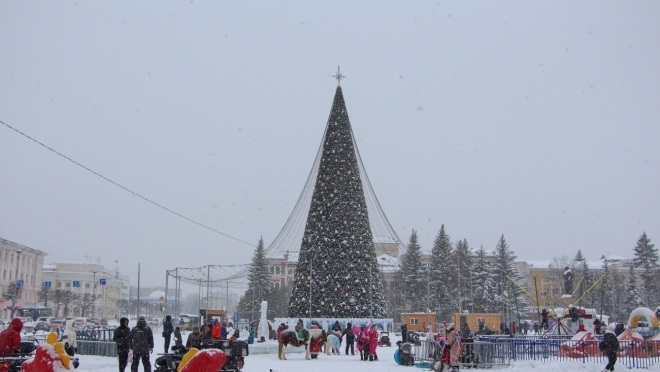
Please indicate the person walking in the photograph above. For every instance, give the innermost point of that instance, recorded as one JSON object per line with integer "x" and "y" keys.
{"x": 404, "y": 333}
{"x": 168, "y": 329}
{"x": 142, "y": 343}
{"x": 609, "y": 346}
{"x": 69, "y": 336}
{"x": 350, "y": 338}
{"x": 121, "y": 337}
{"x": 544, "y": 319}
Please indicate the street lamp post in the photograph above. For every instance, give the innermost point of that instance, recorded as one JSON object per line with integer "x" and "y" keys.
{"x": 93, "y": 291}
{"x": 18, "y": 259}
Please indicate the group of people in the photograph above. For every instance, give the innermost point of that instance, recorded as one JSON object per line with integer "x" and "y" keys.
{"x": 366, "y": 337}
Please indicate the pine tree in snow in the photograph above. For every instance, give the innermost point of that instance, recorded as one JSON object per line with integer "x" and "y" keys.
{"x": 483, "y": 285}
{"x": 337, "y": 273}
{"x": 646, "y": 257}
{"x": 583, "y": 279}
{"x": 412, "y": 276}
{"x": 463, "y": 266}
{"x": 258, "y": 283}
{"x": 507, "y": 297}
{"x": 633, "y": 295}
{"x": 442, "y": 276}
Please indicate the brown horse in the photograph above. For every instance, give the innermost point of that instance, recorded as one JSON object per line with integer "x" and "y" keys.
{"x": 289, "y": 337}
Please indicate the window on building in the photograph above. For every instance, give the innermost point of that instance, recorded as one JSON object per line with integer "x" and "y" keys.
{"x": 271, "y": 269}
{"x": 87, "y": 285}
{"x": 277, "y": 270}
{"x": 68, "y": 284}
{"x": 414, "y": 321}
{"x": 4, "y": 274}
{"x": 277, "y": 285}
{"x": 59, "y": 284}
{"x": 555, "y": 291}
{"x": 290, "y": 271}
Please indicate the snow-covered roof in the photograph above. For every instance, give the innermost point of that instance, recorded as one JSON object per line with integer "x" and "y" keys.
{"x": 157, "y": 294}
{"x": 387, "y": 263}
{"x": 539, "y": 264}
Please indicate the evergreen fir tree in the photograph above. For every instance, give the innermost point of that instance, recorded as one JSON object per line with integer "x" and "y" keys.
{"x": 412, "y": 276}
{"x": 503, "y": 267}
{"x": 584, "y": 279}
{"x": 441, "y": 276}
{"x": 483, "y": 285}
{"x": 258, "y": 283}
{"x": 464, "y": 263}
{"x": 633, "y": 297}
{"x": 337, "y": 272}
{"x": 646, "y": 257}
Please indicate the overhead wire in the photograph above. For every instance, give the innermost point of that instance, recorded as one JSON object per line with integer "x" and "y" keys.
{"x": 125, "y": 188}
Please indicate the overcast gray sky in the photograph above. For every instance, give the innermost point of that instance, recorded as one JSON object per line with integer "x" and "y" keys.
{"x": 536, "y": 120}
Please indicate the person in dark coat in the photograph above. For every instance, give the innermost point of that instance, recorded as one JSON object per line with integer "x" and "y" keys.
{"x": 609, "y": 346}
{"x": 597, "y": 326}
{"x": 142, "y": 343}
{"x": 336, "y": 326}
{"x": 168, "y": 329}
{"x": 619, "y": 329}
{"x": 404, "y": 333}
{"x": 121, "y": 337}
{"x": 544, "y": 319}
{"x": 194, "y": 339}
{"x": 207, "y": 335}
{"x": 350, "y": 338}
{"x": 224, "y": 332}
{"x": 178, "y": 340}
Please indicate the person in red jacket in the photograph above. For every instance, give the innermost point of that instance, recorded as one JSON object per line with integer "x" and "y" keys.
{"x": 11, "y": 337}
{"x": 373, "y": 342}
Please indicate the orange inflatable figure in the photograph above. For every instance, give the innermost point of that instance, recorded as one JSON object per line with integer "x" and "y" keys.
{"x": 208, "y": 360}
{"x": 49, "y": 357}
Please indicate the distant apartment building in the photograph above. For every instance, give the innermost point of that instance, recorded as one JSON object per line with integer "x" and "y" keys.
{"x": 20, "y": 263}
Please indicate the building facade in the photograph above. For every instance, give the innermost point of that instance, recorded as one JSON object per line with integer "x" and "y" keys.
{"x": 87, "y": 279}
{"x": 19, "y": 263}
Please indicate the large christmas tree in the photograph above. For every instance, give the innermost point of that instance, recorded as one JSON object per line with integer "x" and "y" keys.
{"x": 337, "y": 262}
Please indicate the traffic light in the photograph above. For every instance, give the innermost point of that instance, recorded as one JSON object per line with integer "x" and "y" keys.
{"x": 162, "y": 307}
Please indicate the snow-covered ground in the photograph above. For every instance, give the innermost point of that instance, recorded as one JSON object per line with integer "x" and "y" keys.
{"x": 332, "y": 363}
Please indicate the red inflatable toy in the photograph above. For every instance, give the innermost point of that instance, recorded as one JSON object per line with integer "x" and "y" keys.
{"x": 208, "y": 360}
{"x": 49, "y": 357}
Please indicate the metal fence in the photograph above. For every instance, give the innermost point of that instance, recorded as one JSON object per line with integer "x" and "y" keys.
{"x": 490, "y": 352}
{"x": 632, "y": 354}
{"x": 95, "y": 333}
{"x": 98, "y": 348}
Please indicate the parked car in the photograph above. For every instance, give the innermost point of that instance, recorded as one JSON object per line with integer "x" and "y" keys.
{"x": 3, "y": 325}
{"x": 46, "y": 319}
{"x": 99, "y": 321}
{"x": 41, "y": 326}
{"x": 28, "y": 327}
{"x": 81, "y": 322}
{"x": 56, "y": 325}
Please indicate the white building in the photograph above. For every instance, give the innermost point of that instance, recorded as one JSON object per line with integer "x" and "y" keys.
{"x": 80, "y": 278}
{"x": 18, "y": 262}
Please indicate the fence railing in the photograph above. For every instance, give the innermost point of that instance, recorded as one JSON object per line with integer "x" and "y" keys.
{"x": 500, "y": 351}
{"x": 98, "y": 348}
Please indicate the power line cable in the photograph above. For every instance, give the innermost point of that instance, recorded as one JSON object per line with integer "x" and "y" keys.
{"x": 125, "y": 188}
